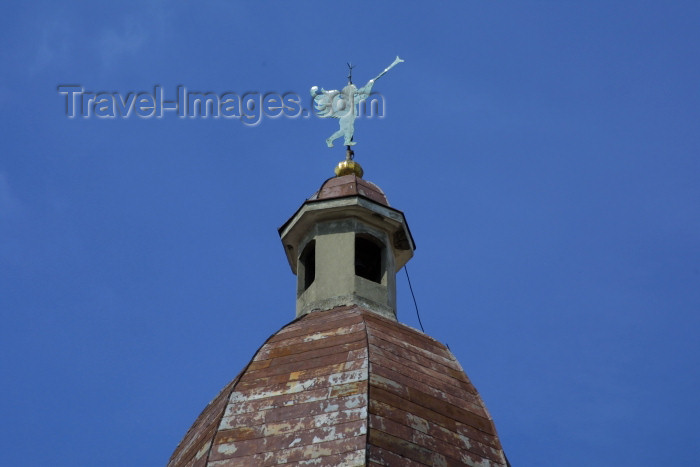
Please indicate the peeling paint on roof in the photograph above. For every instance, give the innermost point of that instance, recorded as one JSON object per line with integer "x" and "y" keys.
{"x": 345, "y": 387}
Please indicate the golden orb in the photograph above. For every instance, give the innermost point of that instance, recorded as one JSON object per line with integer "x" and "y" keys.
{"x": 348, "y": 167}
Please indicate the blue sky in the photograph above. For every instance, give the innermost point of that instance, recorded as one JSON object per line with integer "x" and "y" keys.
{"x": 545, "y": 153}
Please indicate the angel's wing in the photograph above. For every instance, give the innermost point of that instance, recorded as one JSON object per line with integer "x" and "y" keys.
{"x": 323, "y": 102}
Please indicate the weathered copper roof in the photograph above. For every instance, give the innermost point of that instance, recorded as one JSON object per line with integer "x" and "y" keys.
{"x": 350, "y": 185}
{"x": 345, "y": 387}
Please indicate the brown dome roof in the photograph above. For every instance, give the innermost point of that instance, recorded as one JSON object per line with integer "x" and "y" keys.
{"x": 345, "y": 387}
{"x": 350, "y": 185}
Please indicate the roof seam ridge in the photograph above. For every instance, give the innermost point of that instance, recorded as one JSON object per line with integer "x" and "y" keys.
{"x": 369, "y": 386}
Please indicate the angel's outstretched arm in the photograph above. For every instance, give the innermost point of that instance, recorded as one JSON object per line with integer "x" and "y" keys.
{"x": 364, "y": 92}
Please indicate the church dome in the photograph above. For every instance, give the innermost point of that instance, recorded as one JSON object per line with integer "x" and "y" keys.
{"x": 347, "y": 387}
{"x": 350, "y": 185}
{"x": 346, "y": 384}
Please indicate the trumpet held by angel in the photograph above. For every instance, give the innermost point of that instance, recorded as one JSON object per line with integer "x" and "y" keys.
{"x": 343, "y": 105}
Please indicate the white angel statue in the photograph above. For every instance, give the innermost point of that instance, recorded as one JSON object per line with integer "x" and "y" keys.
{"x": 343, "y": 105}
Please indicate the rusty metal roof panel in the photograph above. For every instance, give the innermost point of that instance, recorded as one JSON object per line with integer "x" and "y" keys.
{"x": 467, "y": 437}
{"x": 422, "y": 405}
{"x": 410, "y": 364}
{"x": 406, "y": 386}
{"x": 345, "y": 387}
{"x": 322, "y": 323}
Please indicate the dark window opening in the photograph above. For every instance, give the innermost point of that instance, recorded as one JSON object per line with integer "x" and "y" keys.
{"x": 308, "y": 261}
{"x": 368, "y": 259}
